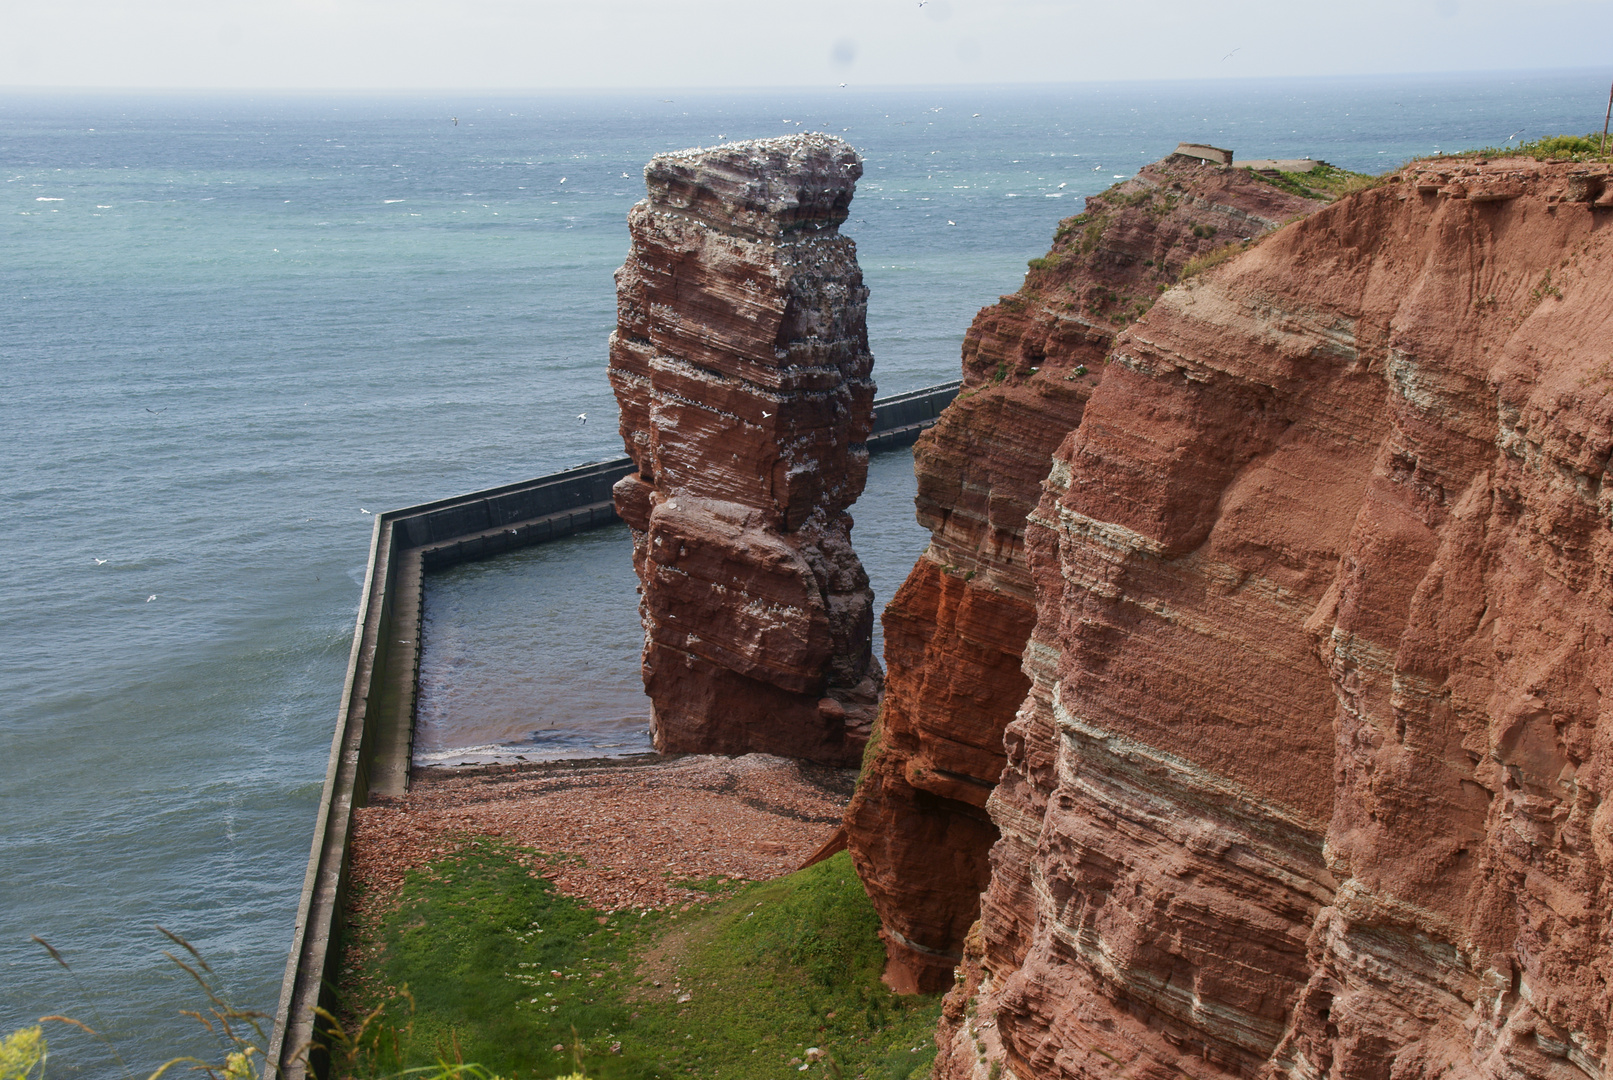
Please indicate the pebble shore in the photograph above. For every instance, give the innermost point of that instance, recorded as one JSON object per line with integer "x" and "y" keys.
{"x": 615, "y": 833}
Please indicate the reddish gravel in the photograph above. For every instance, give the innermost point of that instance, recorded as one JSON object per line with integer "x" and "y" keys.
{"x": 624, "y": 831}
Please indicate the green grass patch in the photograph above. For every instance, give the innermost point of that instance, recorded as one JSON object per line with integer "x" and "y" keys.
{"x": 711, "y": 886}
{"x": 1325, "y": 182}
{"x": 502, "y": 968}
{"x": 1200, "y": 263}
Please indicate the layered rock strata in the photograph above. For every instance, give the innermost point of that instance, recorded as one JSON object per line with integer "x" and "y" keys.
{"x": 740, "y": 361}
{"x": 956, "y": 631}
{"x": 1312, "y": 776}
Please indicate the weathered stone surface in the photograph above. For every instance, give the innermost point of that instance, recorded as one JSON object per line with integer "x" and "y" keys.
{"x": 956, "y": 631}
{"x": 1312, "y": 778}
{"x": 741, "y": 364}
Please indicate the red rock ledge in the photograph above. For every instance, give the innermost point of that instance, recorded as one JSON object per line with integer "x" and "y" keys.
{"x": 741, "y": 364}
{"x": 1313, "y": 776}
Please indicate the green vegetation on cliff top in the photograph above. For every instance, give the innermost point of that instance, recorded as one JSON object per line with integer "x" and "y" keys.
{"x": 1548, "y": 148}
{"x": 1324, "y": 182}
{"x": 502, "y": 970}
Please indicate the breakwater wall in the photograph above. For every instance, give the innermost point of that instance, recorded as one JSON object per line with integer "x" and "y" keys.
{"x": 371, "y": 746}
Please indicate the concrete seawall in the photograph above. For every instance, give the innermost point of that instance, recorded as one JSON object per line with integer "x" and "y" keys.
{"x": 371, "y": 747}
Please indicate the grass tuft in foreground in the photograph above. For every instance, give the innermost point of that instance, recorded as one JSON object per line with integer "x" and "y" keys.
{"x": 505, "y": 972}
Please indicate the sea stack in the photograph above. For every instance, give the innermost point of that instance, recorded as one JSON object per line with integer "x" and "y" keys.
{"x": 740, "y": 360}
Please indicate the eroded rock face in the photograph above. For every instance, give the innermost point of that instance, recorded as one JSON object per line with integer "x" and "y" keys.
{"x": 741, "y": 364}
{"x": 955, "y": 633}
{"x": 1312, "y": 776}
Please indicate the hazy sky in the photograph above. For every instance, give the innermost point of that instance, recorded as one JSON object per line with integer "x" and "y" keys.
{"x": 403, "y": 44}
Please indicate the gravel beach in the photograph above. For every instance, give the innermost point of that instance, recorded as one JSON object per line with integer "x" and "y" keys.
{"x": 615, "y": 833}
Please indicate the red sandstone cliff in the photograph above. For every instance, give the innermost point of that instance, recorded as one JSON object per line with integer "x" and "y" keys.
{"x": 1311, "y": 778}
{"x": 741, "y": 365}
{"x": 955, "y": 632}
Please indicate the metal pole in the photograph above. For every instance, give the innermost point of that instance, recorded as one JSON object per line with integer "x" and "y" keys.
{"x": 1603, "y": 151}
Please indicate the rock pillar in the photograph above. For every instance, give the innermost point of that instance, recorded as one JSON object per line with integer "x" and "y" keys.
{"x": 740, "y": 360}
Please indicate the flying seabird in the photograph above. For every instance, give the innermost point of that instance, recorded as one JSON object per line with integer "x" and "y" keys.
{"x": 765, "y": 414}
{"x": 583, "y": 417}
{"x": 364, "y": 511}
{"x": 161, "y": 410}
{"x": 1228, "y": 56}
{"x": 100, "y": 562}
{"x": 150, "y": 598}
{"x": 455, "y": 119}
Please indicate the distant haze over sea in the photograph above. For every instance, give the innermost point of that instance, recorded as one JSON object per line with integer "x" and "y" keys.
{"x": 233, "y": 324}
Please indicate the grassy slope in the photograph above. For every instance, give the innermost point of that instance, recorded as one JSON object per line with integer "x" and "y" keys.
{"x": 771, "y": 968}
{"x": 1326, "y": 182}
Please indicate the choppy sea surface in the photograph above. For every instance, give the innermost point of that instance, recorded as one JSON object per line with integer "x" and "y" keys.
{"x": 231, "y": 325}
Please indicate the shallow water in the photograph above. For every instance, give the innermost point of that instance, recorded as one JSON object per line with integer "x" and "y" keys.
{"x": 534, "y": 655}
{"x": 232, "y": 324}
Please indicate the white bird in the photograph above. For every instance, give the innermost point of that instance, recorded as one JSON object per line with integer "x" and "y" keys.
{"x": 842, "y": 86}
{"x": 583, "y": 417}
{"x": 455, "y": 119}
{"x": 364, "y": 511}
{"x": 562, "y": 179}
{"x": 1228, "y": 56}
{"x": 626, "y": 177}
{"x": 150, "y": 598}
{"x": 951, "y": 222}
{"x": 100, "y": 562}
{"x": 765, "y": 414}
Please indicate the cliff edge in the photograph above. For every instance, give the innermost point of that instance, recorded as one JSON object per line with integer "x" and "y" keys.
{"x": 1310, "y": 779}
{"x": 956, "y": 631}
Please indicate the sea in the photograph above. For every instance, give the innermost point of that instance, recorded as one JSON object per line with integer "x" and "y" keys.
{"x": 233, "y": 327}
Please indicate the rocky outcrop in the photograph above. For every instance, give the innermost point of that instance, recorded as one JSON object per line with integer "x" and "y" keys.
{"x": 740, "y": 361}
{"x": 1312, "y": 776}
{"x": 956, "y": 631}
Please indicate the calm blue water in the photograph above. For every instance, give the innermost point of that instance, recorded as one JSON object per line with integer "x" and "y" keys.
{"x": 496, "y": 633}
{"x": 227, "y": 325}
